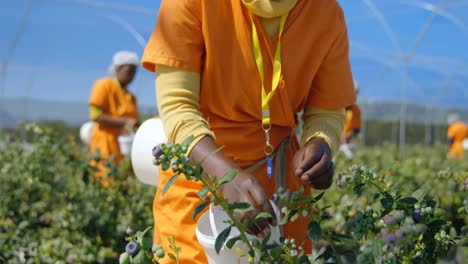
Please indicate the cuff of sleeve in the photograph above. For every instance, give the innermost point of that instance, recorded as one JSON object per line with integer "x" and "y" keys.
{"x": 196, "y": 128}
{"x": 94, "y": 112}
{"x": 324, "y": 132}
{"x": 326, "y": 124}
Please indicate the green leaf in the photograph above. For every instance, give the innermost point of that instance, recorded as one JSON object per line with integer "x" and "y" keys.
{"x": 420, "y": 193}
{"x": 199, "y": 209}
{"x": 123, "y": 259}
{"x": 387, "y": 202}
{"x": 326, "y": 254}
{"x": 169, "y": 183}
{"x": 265, "y": 241}
{"x": 229, "y": 176}
{"x": 276, "y": 252}
{"x": 318, "y": 197}
{"x": 232, "y": 241}
{"x": 437, "y": 223}
{"x": 408, "y": 201}
{"x": 304, "y": 260}
{"x": 340, "y": 237}
{"x": 187, "y": 141}
{"x": 262, "y": 215}
{"x": 165, "y": 166}
{"x": 171, "y": 256}
{"x": 203, "y": 192}
{"x": 141, "y": 258}
{"x": 283, "y": 221}
{"x": 314, "y": 231}
{"x": 241, "y": 207}
{"x": 221, "y": 239}
{"x": 147, "y": 243}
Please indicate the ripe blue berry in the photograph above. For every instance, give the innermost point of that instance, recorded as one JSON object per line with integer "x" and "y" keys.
{"x": 418, "y": 216}
{"x": 132, "y": 248}
{"x": 157, "y": 151}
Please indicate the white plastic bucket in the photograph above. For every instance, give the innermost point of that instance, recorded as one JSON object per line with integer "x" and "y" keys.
{"x": 207, "y": 240}
{"x": 465, "y": 144}
{"x": 148, "y": 135}
{"x": 212, "y": 223}
{"x": 86, "y": 132}
{"x": 125, "y": 143}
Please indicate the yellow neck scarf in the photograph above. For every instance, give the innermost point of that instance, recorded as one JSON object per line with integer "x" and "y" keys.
{"x": 269, "y": 8}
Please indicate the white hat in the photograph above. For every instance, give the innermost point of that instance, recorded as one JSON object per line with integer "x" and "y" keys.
{"x": 452, "y": 118}
{"x": 123, "y": 58}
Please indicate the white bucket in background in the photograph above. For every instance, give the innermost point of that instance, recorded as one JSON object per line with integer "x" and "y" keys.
{"x": 212, "y": 223}
{"x": 86, "y": 132}
{"x": 465, "y": 144}
{"x": 125, "y": 143}
{"x": 148, "y": 135}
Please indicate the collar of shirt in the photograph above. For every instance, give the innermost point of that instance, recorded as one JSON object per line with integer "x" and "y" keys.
{"x": 269, "y": 8}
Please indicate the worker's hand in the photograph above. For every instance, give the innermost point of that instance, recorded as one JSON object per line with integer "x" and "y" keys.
{"x": 247, "y": 189}
{"x": 313, "y": 164}
{"x": 130, "y": 122}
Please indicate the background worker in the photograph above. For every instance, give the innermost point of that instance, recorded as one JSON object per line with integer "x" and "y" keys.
{"x": 113, "y": 107}
{"x": 456, "y": 134}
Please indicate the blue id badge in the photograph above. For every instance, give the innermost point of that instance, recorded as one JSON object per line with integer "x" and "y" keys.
{"x": 269, "y": 167}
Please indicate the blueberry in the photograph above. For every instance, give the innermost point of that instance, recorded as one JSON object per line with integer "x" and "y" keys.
{"x": 132, "y": 248}
{"x": 157, "y": 151}
{"x": 399, "y": 234}
{"x": 160, "y": 253}
{"x": 390, "y": 238}
{"x": 418, "y": 216}
{"x": 389, "y": 220}
{"x": 156, "y": 248}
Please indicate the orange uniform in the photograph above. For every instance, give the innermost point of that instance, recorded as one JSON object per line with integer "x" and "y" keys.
{"x": 112, "y": 99}
{"x": 213, "y": 38}
{"x": 353, "y": 119}
{"x": 457, "y": 132}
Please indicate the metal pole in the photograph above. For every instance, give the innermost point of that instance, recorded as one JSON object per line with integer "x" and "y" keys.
{"x": 427, "y": 133}
{"x": 406, "y": 60}
{"x": 364, "y": 124}
{"x": 11, "y": 50}
{"x": 403, "y": 107}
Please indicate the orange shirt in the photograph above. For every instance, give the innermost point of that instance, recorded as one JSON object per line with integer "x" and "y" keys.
{"x": 457, "y": 132}
{"x": 112, "y": 99}
{"x": 353, "y": 119}
{"x": 214, "y": 38}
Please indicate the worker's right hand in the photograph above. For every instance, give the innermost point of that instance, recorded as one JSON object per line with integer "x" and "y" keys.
{"x": 129, "y": 122}
{"x": 246, "y": 188}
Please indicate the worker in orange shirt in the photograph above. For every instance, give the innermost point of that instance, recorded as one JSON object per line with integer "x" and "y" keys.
{"x": 352, "y": 127}
{"x": 234, "y": 74}
{"x": 113, "y": 108}
{"x": 456, "y": 134}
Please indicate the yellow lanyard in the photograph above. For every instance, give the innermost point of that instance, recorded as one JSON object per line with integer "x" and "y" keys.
{"x": 266, "y": 97}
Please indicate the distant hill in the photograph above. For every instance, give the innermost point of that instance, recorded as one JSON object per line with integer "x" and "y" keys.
{"x": 390, "y": 111}
{"x": 6, "y": 120}
{"x": 72, "y": 113}
{"x": 75, "y": 113}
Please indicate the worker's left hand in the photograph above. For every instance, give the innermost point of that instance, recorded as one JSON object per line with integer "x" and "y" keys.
{"x": 313, "y": 164}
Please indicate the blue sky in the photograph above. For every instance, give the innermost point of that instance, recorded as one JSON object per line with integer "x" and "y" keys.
{"x": 67, "y": 44}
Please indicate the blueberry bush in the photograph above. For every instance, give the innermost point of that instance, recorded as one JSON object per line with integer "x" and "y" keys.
{"x": 370, "y": 218}
{"x": 53, "y": 211}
